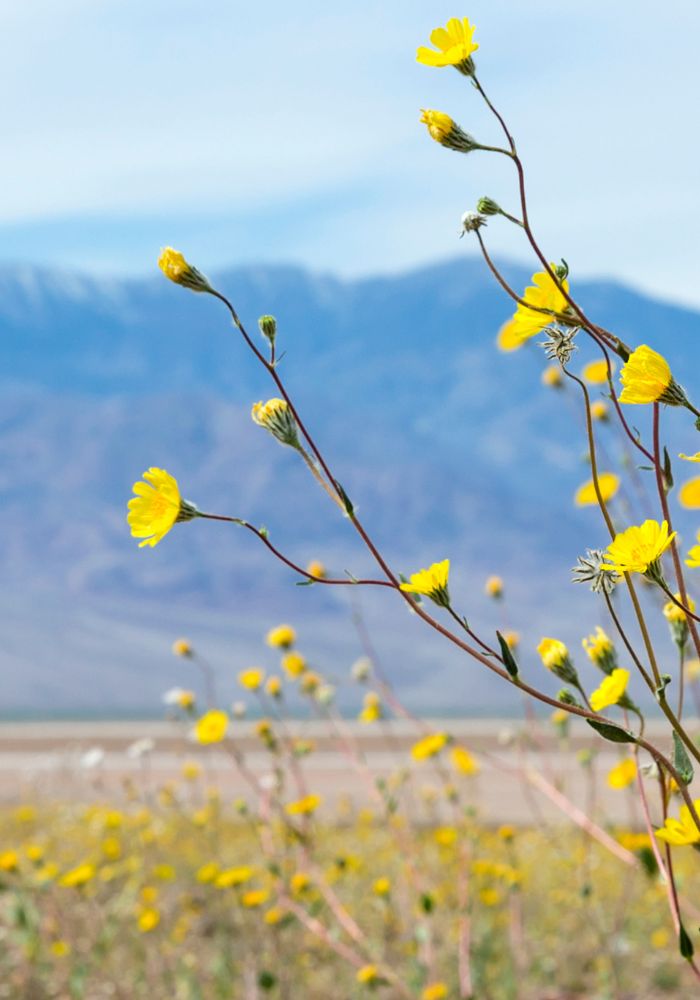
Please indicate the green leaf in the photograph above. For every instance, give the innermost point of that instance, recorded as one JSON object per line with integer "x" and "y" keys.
{"x": 616, "y": 734}
{"x": 681, "y": 760}
{"x": 508, "y": 658}
{"x": 685, "y": 945}
{"x": 668, "y": 472}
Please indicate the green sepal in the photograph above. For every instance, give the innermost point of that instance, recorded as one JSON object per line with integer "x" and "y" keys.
{"x": 685, "y": 945}
{"x": 508, "y": 658}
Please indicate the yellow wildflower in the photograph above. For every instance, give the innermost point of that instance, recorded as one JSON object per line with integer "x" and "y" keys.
{"x": 646, "y": 378}
{"x": 638, "y": 549}
{"x": 600, "y": 649}
{"x": 494, "y": 587}
{"x": 512, "y": 639}
{"x": 445, "y": 836}
{"x": 276, "y": 417}
{"x": 294, "y": 663}
{"x": 381, "y": 886}
{"x": 182, "y": 647}
{"x": 309, "y": 682}
{"x": 674, "y": 614}
{"x": 156, "y": 507}
{"x": 212, "y": 726}
{"x": 552, "y": 377}
{"x": 316, "y": 568}
{"x": 78, "y": 876}
{"x": 490, "y": 897}
{"x": 455, "y": 44}
{"x": 506, "y": 832}
{"x": 553, "y": 652}
{"x": 230, "y": 877}
{"x": 689, "y": 494}
{"x": 693, "y": 557}
{"x": 599, "y": 410}
{"x": 274, "y": 916}
{"x": 608, "y": 484}
{"x": 148, "y": 919}
{"x": 463, "y": 761}
{"x": 254, "y": 898}
{"x": 447, "y": 132}
{"x": 35, "y": 852}
{"x": 610, "y": 690}
{"x": 683, "y": 831}
{"x": 429, "y": 746}
{"x": 659, "y": 938}
{"x": 431, "y": 583}
{"x": 690, "y": 458}
{"x": 622, "y": 774}
{"x": 251, "y": 679}
{"x": 367, "y": 974}
{"x": 281, "y": 637}
{"x": 528, "y": 321}
{"x": 304, "y": 807}
{"x": 596, "y": 372}
{"x": 273, "y": 687}
{"x": 299, "y": 882}
{"x": 559, "y": 717}
{"x": 207, "y": 873}
{"x": 190, "y": 770}
{"x": 434, "y": 991}
{"x": 371, "y": 708}
{"x": 60, "y": 948}
{"x": 175, "y": 267}
{"x": 692, "y": 670}
{"x": 9, "y": 861}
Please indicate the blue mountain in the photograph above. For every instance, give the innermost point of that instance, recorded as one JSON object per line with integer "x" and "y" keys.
{"x": 447, "y": 447}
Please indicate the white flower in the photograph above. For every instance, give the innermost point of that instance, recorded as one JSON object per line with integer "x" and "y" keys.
{"x": 140, "y": 748}
{"x": 92, "y": 758}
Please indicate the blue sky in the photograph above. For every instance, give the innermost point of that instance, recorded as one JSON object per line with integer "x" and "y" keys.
{"x": 290, "y": 133}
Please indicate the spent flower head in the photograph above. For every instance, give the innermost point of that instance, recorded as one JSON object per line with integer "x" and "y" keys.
{"x": 560, "y": 345}
{"x": 589, "y": 569}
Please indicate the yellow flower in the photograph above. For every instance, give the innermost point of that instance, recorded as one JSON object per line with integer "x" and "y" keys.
{"x": 294, "y": 663}
{"x": 251, "y": 679}
{"x": 207, "y": 872}
{"x": 304, "y": 807}
{"x": 254, "y": 898}
{"x": 274, "y": 916}
{"x": 434, "y": 991}
{"x": 181, "y": 647}
{"x": 490, "y": 897}
{"x": 381, "y": 886}
{"x": 156, "y": 507}
{"x": 309, "y": 682}
{"x": 445, "y": 836}
{"x": 512, "y": 639}
{"x": 689, "y": 494}
{"x": 77, "y": 877}
{"x": 610, "y": 690}
{"x": 646, "y": 378}
{"x": 674, "y": 614}
{"x": 35, "y": 852}
{"x": 659, "y": 938}
{"x": 494, "y": 587}
{"x": 277, "y": 418}
{"x": 299, "y": 882}
{"x": 281, "y": 637}
{"x": 273, "y": 687}
{"x": 9, "y": 861}
{"x": 600, "y": 649}
{"x": 608, "y": 483}
{"x": 148, "y": 920}
{"x": 596, "y": 372}
{"x": 463, "y": 761}
{"x": 432, "y": 583}
{"x": 371, "y": 709}
{"x": 559, "y": 717}
{"x": 692, "y": 670}
{"x": 175, "y": 267}
{"x": 316, "y": 568}
{"x": 693, "y": 558}
{"x": 623, "y": 774}
{"x": 455, "y": 46}
{"x": 553, "y": 652}
{"x": 527, "y": 321}
{"x": 429, "y": 746}
{"x": 60, "y": 948}
{"x": 599, "y": 410}
{"x": 690, "y": 458}
{"x": 367, "y": 974}
{"x": 447, "y": 132}
{"x": 638, "y": 549}
{"x": 212, "y": 726}
{"x": 190, "y": 770}
{"x": 552, "y": 377}
{"x": 230, "y": 877}
{"x": 683, "y": 831}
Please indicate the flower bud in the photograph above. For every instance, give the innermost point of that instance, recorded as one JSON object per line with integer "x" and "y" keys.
{"x": 447, "y": 132}
{"x": 487, "y": 206}
{"x": 175, "y": 267}
{"x": 268, "y": 328}
{"x": 277, "y": 418}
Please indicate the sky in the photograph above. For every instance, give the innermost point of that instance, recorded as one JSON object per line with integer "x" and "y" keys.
{"x": 290, "y": 133}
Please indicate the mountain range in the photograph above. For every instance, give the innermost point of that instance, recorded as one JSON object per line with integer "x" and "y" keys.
{"x": 446, "y": 446}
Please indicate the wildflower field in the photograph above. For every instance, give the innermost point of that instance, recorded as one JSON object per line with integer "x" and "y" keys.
{"x": 245, "y": 872}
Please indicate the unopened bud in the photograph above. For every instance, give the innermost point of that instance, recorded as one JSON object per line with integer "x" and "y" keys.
{"x": 487, "y": 206}
{"x": 268, "y": 327}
